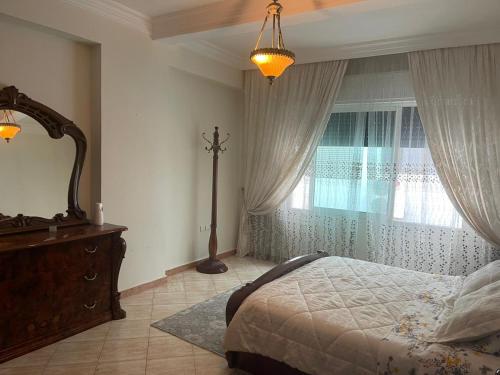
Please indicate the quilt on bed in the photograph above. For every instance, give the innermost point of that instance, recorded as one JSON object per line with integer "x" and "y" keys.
{"x": 344, "y": 316}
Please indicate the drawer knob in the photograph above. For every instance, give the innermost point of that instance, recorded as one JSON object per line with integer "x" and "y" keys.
{"x": 91, "y": 251}
{"x": 90, "y": 307}
{"x": 90, "y": 278}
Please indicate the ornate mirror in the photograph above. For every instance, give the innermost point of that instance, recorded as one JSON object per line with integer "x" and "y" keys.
{"x": 41, "y": 153}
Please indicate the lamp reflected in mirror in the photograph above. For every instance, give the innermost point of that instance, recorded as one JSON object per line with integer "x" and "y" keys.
{"x": 8, "y": 126}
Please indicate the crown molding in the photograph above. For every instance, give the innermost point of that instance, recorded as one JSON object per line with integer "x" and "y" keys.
{"x": 216, "y": 53}
{"x": 355, "y": 50}
{"x": 117, "y": 12}
{"x": 392, "y": 46}
{"x": 401, "y": 45}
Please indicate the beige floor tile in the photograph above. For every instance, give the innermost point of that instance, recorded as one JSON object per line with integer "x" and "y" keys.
{"x": 93, "y": 334}
{"x": 155, "y": 332}
{"x": 144, "y": 293}
{"x": 168, "y": 298}
{"x": 169, "y": 287}
{"x": 159, "y": 366}
{"x": 70, "y": 370}
{"x": 122, "y": 350}
{"x": 194, "y": 275}
{"x": 198, "y": 350}
{"x": 163, "y": 311}
{"x": 209, "y": 360}
{"x": 227, "y": 280}
{"x": 138, "y": 299}
{"x": 122, "y": 368}
{"x": 128, "y": 329}
{"x": 218, "y": 371}
{"x": 139, "y": 312}
{"x": 246, "y": 274}
{"x": 227, "y": 283}
{"x": 22, "y": 371}
{"x": 155, "y": 371}
{"x": 39, "y": 357}
{"x": 174, "y": 278}
{"x": 193, "y": 286}
{"x": 168, "y": 346}
{"x": 68, "y": 353}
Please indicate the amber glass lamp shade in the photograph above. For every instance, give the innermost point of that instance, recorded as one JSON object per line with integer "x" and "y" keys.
{"x": 9, "y": 131}
{"x": 8, "y": 126}
{"x": 272, "y": 62}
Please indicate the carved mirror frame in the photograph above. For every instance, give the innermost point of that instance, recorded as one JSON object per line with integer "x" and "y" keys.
{"x": 57, "y": 126}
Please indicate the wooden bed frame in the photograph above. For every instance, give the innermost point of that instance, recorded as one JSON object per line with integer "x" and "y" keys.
{"x": 256, "y": 363}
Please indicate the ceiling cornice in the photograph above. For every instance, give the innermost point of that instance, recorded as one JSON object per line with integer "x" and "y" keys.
{"x": 117, "y": 12}
{"x": 357, "y": 50}
{"x": 216, "y": 53}
{"x": 398, "y": 45}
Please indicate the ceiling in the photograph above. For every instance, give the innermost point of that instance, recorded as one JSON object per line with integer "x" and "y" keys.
{"x": 318, "y": 30}
{"x": 153, "y": 8}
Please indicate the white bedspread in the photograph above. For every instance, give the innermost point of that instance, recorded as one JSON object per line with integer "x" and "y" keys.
{"x": 344, "y": 316}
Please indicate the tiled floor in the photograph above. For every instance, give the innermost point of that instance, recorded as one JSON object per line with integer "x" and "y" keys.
{"x": 131, "y": 346}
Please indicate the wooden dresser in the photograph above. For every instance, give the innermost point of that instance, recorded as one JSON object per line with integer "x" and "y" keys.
{"x": 54, "y": 285}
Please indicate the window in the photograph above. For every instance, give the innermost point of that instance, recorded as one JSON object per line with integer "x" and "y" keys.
{"x": 376, "y": 161}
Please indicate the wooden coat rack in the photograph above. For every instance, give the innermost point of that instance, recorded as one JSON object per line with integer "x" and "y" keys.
{"x": 212, "y": 264}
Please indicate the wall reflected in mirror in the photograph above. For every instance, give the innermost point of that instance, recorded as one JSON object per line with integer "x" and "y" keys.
{"x": 35, "y": 171}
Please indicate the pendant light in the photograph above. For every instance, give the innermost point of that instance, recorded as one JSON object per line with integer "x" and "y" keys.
{"x": 8, "y": 126}
{"x": 273, "y": 61}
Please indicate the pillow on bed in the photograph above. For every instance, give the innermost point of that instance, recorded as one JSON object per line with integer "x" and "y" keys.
{"x": 484, "y": 276}
{"x": 472, "y": 316}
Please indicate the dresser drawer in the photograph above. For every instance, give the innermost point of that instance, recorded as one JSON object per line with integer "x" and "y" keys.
{"x": 54, "y": 317}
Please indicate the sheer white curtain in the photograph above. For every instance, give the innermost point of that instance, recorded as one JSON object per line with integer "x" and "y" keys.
{"x": 283, "y": 125}
{"x": 458, "y": 94}
{"x": 423, "y": 231}
{"x": 371, "y": 190}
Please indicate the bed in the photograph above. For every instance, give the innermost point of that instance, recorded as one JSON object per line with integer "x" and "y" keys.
{"x": 331, "y": 315}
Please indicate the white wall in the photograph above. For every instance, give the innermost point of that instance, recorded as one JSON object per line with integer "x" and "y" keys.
{"x": 155, "y": 174}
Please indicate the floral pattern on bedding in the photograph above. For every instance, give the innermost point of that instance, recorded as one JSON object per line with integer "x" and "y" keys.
{"x": 425, "y": 358}
{"x": 490, "y": 345}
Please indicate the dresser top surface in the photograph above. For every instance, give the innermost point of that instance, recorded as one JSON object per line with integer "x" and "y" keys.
{"x": 44, "y": 237}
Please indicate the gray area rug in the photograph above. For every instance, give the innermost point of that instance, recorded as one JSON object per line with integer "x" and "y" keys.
{"x": 203, "y": 324}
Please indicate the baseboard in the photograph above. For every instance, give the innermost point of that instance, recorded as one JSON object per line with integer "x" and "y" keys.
{"x": 188, "y": 266}
{"x": 156, "y": 283}
{"x": 143, "y": 287}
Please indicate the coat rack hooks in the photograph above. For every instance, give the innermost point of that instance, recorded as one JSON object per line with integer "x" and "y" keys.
{"x": 215, "y": 145}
